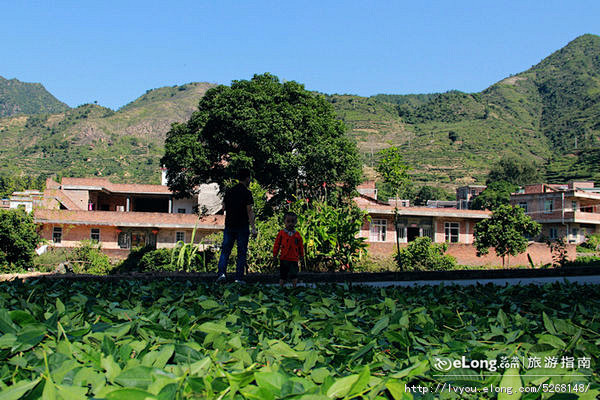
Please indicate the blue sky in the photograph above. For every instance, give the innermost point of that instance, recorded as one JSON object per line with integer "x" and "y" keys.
{"x": 113, "y": 51}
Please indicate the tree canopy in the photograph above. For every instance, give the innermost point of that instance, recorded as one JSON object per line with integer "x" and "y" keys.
{"x": 496, "y": 194}
{"x": 18, "y": 239}
{"x": 394, "y": 172}
{"x": 506, "y": 231}
{"x": 516, "y": 170}
{"x": 288, "y": 136}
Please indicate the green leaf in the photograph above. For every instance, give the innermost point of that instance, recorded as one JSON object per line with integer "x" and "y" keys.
{"x": 270, "y": 381}
{"x": 548, "y": 324}
{"x": 7, "y": 341}
{"x": 503, "y": 319}
{"x": 17, "y": 390}
{"x": 139, "y": 377}
{"x": 553, "y": 341}
{"x": 164, "y": 355}
{"x": 318, "y": 375}
{"x": 71, "y": 392}
{"x": 60, "y": 307}
{"x": 510, "y": 379}
{"x": 396, "y": 389}
{"x": 361, "y": 383}
{"x": 341, "y": 386}
{"x": 21, "y": 317}
{"x": 6, "y": 324}
{"x": 111, "y": 367}
{"x": 28, "y": 337}
{"x": 380, "y": 325}
{"x": 211, "y": 327}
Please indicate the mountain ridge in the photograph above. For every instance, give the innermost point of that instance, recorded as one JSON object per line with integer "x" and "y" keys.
{"x": 549, "y": 113}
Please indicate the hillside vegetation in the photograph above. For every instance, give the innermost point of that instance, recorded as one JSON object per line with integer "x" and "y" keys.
{"x": 91, "y": 140}
{"x": 549, "y": 114}
{"x": 18, "y": 97}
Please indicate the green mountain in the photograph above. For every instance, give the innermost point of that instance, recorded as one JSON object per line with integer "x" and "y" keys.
{"x": 91, "y": 140}
{"x": 18, "y": 97}
{"x": 549, "y": 113}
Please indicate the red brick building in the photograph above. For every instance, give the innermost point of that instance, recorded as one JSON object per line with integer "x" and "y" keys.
{"x": 568, "y": 211}
{"x": 119, "y": 216}
{"x": 443, "y": 225}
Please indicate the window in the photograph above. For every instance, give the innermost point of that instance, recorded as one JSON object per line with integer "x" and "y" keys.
{"x": 523, "y": 205}
{"x": 574, "y": 205}
{"x": 57, "y": 234}
{"x": 428, "y": 232}
{"x": 553, "y": 233}
{"x": 452, "y": 229}
{"x": 378, "y": 230}
{"x": 181, "y": 211}
{"x": 95, "y": 234}
{"x": 124, "y": 240}
{"x": 180, "y": 236}
{"x": 548, "y": 206}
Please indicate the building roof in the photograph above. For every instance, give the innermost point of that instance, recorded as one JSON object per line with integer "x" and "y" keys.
{"x": 106, "y": 185}
{"x": 374, "y": 207}
{"x": 61, "y": 197}
{"x": 128, "y": 219}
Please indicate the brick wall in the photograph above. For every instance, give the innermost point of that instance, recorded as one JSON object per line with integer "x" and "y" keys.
{"x": 466, "y": 254}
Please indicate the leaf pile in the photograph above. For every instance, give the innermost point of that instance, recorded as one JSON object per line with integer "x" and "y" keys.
{"x": 172, "y": 339}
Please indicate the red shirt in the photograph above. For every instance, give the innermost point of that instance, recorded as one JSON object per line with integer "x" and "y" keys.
{"x": 291, "y": 247}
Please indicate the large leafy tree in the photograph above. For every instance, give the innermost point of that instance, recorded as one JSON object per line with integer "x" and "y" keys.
{"x": 18, "y": 239}
{"x": 288, "y": 136}
{"x": 506, "y": 231}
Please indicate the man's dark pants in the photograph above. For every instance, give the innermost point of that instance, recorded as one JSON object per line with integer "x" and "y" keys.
{"x": 230, "y": 236}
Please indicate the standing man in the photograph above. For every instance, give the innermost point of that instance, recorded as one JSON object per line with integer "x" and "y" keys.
{"x": 239, "y": 216}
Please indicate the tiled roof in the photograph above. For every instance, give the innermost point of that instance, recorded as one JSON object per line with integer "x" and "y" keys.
{"x": 103, "y": 183}
{"x": 373, "y": 207}
{"x": 128, "y": 219}
{"x": 61, "y": 197}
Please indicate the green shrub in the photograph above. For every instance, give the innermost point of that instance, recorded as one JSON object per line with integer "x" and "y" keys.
{"x": 18, "y": 240}
{"x": 132, "y": 262}
{"x": 585, "y": 261}
{"x": 423, "y": 255}
{"x": 260, "y": 249}
{"x": 591, "y": 244}
{"x": 156, "y": 260}
{"x": 330, "y": 234}
{"x": 48, "y": 261}
{"x": 88, "y": 258}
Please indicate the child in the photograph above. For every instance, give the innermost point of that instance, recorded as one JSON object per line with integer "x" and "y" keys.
{"x": 292, "y": 249}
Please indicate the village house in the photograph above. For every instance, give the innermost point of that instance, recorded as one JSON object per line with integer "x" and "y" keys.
{"x": 123, "y": 216}
{"x": 453, "y": 226}
{"x": 567, "y": 211}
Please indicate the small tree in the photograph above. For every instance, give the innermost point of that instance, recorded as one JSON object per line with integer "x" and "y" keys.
{"x": 18, "y": 239}
{"x": 394, "y": 172}
{"x": 506, "y": 231}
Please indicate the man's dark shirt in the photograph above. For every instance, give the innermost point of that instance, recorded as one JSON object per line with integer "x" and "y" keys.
{"x": 237, "y": 199}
